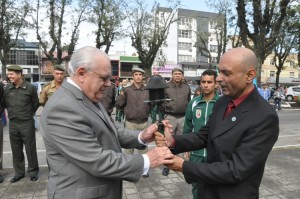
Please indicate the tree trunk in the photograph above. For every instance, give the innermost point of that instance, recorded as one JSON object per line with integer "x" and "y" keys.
{"x": 258, "y": 69}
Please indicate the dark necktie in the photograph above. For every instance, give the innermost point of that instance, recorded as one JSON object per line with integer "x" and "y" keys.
{"x": 230, "y": 107}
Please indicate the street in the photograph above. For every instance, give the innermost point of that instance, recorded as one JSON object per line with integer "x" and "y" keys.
{"x": 289, "y": 137}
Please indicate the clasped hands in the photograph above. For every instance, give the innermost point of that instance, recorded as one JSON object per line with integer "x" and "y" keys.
{"x": 163, "y": 143}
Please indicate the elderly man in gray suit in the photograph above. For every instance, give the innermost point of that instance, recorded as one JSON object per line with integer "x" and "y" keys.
{"x": 82, "y": 144}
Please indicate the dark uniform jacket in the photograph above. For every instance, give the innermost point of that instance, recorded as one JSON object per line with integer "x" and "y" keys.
{"x": 237, "y": 149}
{"x": 109, "y": 98}
{"x": 21, "y": 102}
{"x": 180, "y": 95}
{"x": 135, "y": 109}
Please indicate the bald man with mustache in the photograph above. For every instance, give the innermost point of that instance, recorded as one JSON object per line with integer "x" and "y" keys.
{"x": 239, "y": 136}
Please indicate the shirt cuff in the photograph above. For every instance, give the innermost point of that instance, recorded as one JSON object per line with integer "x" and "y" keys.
{"x": 146, "y": 164}
{"x": 139, "y": 138}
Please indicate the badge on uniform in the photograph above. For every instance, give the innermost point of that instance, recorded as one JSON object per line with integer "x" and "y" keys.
{"x": 198, "y": 112}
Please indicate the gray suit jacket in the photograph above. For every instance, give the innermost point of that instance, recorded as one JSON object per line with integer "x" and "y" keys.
{"x": 84, "y": 148}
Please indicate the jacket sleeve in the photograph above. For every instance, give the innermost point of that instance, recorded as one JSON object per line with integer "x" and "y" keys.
{"x": 248, "y": 157}
{"x": 34, "y": 99}
{"x": 188, "y": 122}
{"x": 96, "y": 154}
{"x": 121, "y": 100}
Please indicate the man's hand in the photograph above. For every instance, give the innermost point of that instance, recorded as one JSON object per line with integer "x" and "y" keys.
{"x": 186, "y": 155}
{"x": 159, "y": 156}
{"x": 177, "y": 165}
{"x": 166, "y": 139}
{"x": 148, "y": 134}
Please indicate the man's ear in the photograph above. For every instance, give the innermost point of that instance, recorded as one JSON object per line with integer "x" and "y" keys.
{"x": 81, "y": 73}
{"x": 251, "y": 74}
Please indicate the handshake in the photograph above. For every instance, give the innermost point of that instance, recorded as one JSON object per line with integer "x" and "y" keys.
{"x": 161, "y": 155}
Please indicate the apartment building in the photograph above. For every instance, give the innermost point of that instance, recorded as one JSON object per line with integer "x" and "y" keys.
{"x": 289, "y": 75}
{"x": 180, "y": 44}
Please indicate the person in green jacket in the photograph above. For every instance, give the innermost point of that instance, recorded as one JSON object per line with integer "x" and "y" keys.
{"x": 197, "y": 115}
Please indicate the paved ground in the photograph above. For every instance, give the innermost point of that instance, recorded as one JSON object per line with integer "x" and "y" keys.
{"x": 281, "y": 179}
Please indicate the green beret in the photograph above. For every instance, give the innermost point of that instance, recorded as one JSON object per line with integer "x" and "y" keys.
{"x": 59, "y": 67}
{"x": 14, "y": 68}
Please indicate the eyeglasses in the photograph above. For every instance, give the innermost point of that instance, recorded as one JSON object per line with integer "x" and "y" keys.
{"x": 103, "y": 78}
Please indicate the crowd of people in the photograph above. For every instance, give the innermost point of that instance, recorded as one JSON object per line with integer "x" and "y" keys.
{"x": 219, "y": 140}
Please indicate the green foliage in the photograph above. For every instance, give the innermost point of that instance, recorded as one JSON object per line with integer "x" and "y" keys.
{"x": 13, "y": 20}
{"x": 108, "y": 16}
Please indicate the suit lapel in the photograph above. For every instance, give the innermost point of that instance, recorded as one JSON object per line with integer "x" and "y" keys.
{"x": 88, "y": 103}
{"x": 224, "y": 125}
{"x": 236, "y": 116}
{"x": 107, "y": 119}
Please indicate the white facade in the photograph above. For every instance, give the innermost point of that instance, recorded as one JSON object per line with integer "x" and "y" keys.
{"x": 183, "y": 36}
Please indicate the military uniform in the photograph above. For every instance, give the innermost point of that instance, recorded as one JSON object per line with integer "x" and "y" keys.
{"x": 47, "y": 92}
{"x": 135, "y": 109}
{"x": 49, "y": 88}
{"x": 21, "y": 104}
{"x": 109, "y": 99}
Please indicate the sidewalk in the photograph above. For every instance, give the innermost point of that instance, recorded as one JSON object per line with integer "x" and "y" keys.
{"x": 281, "y": 181}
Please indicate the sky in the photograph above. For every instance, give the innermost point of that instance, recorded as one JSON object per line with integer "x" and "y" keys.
{"x": 124, "y": 45}
{"x": 87, "y": 37}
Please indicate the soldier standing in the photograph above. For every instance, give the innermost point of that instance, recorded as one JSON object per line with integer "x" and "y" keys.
{"x": 21, "y": 101}
{"x": 180, "y": 93}
{"x": 51, "y": 87}
{"x": 135, "y": 109}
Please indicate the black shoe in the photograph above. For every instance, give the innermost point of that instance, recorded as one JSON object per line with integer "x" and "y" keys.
{"x": 165, "y": 171}
{"x": 34, "y": 178}
{"x": 16, "y": 178}
{"x": 146, "y": 175}
{"x": 1, "y": 179}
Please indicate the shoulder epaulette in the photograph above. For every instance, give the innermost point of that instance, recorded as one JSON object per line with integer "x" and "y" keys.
{"x": 48, "y": 83}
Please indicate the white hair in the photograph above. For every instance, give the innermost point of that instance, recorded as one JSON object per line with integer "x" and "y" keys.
{"x": 85, "y": 56}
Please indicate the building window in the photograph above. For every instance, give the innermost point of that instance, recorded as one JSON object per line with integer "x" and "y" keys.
{"x": 185, "y": 58}
{"x": 185, "y": 34}
{"x": 262, "y": 73}
{"x": 292, "y": 63}
{"x": 214, "y": 59}
{"x": 185, "y": 21}
{"x": 272, "y": 73}
{"x": 213, "y": 48}
{"x": 162, "y": 15}
{"x": 185, "y": 46}
{"x": 272, "y": 63}
{"x": 212, "y": 25}
{"x": 292, "y": 74}
{"x": 23, "y": 57}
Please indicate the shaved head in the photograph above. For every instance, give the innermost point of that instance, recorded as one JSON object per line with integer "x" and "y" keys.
{"x": 237, "y": 71}
{"x": 244, "y": 56}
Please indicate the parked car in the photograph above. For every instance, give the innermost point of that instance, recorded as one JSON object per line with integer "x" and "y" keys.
{"x": 291, "y": 92}
{"x": 39, "y": 86}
